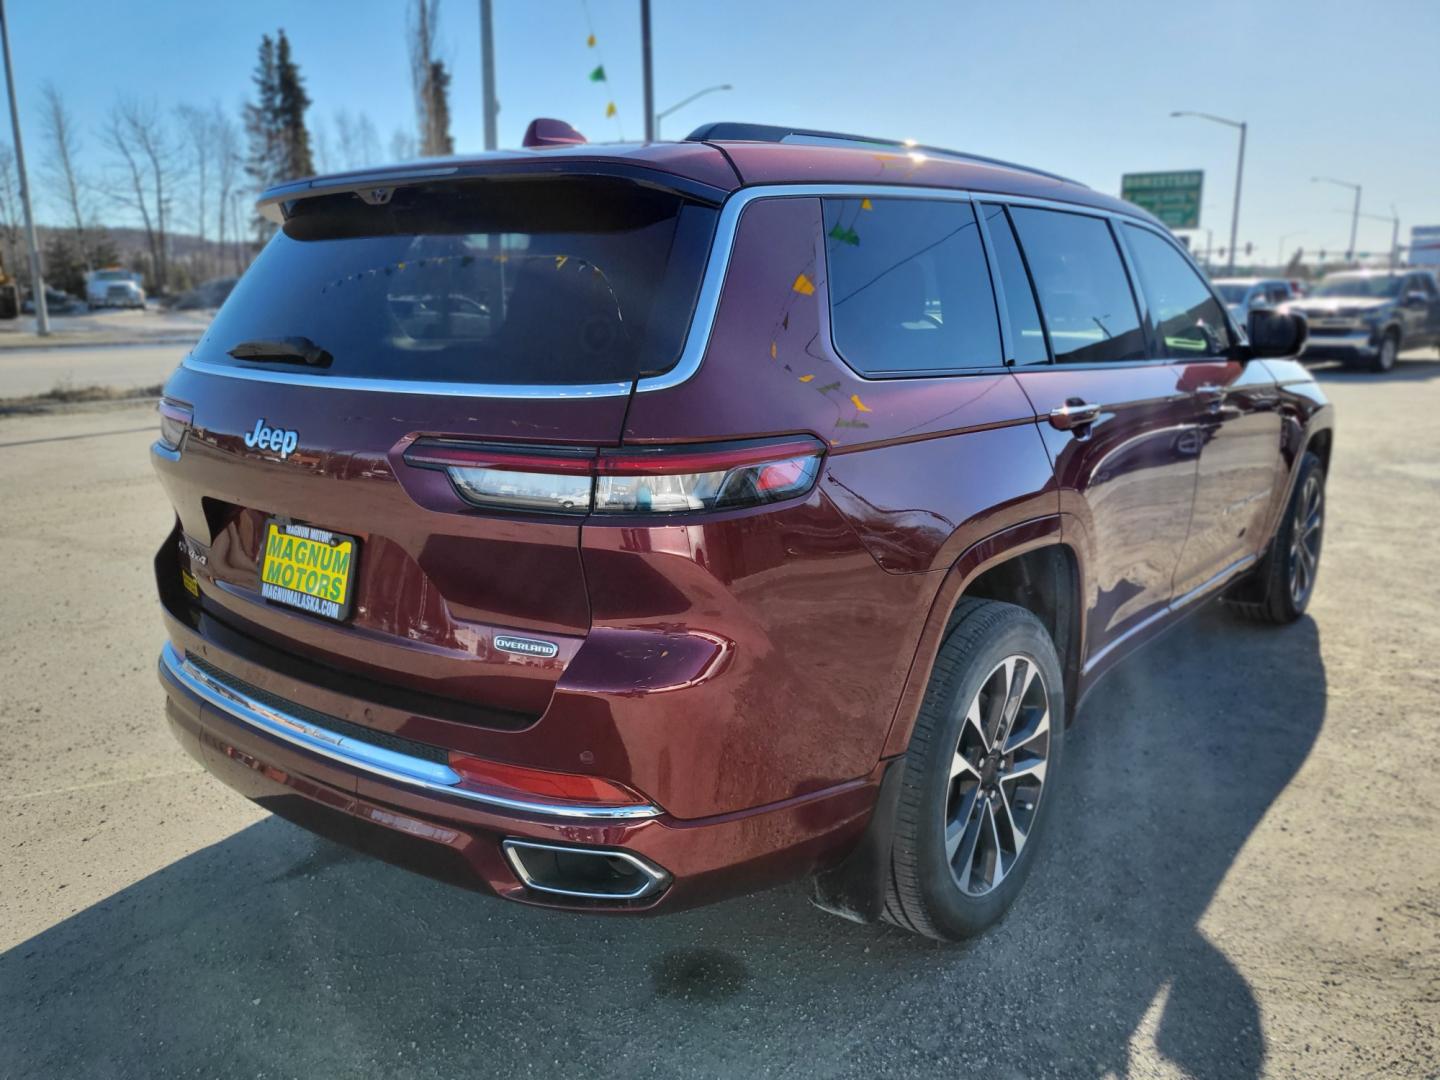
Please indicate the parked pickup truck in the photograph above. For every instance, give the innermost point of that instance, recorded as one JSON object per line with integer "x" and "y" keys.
{"x": 113, "y": 288}
{"x": 1367, "y": 318}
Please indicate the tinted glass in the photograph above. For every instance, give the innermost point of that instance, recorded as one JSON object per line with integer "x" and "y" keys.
{"x": 1083, "y": 289}
{"x": 909, "y": 286}
{"x": 1188, "y": 319}
{"x": 1365, "y": 286}
{"x": 1027, "y": 335}
{"x": 515, "y": 282}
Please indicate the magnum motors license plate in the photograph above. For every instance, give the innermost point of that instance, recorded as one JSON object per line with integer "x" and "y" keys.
{"x": 308, "y": 568}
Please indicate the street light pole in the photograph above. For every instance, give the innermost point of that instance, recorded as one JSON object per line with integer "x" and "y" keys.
{"x": 1280, "y": 249}
{"x": 37, "y": 282}
{"x": 680, "y": 105}
{"x": 1394, "y": 219}
{"x": 1354, "y": 214}
{"x": 1239, "y": 172}
{"x": 648, "y": 71}
{"x": 487, "y": 73}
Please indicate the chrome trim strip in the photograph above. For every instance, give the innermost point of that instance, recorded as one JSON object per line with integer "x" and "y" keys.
{"x": 376, "y": 760}
{"x": 655, "y": 878}
{"x": 697, "y": 338}
{"x": 409, "y": 386}
{"x": 1206, "y": 587}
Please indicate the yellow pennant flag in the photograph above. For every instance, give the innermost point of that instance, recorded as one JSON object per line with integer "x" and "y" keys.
{"x": 610, "y": 110}
{"x": 865, "y": 204}
{"x": 860, "y": 405}
{"x": 804, "y": 286}
{"x": 590, "y": 41}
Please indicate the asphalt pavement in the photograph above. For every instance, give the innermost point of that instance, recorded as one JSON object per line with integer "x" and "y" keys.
{"x": 1242, "y": 876}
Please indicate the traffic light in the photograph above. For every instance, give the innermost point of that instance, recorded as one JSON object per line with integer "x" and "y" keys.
{"x": 1249, "y": 247}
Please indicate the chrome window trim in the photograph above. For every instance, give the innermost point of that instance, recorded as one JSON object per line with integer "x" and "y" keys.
{"x": 654, "y": 878}
{"x": 375, "y": 760}
{"x": 707, "y": 303}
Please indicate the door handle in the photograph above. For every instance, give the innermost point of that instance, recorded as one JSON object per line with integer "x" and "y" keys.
{"x": 1212, "y": 397}
{"x": 1074, "y": 414}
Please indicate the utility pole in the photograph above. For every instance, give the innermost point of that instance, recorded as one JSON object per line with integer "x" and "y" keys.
{"x": 487, "y": 74}
{"x": 37, "y": 282}
{"x": 649, "y": 73}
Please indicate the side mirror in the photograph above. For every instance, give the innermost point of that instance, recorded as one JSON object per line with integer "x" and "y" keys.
{"x": 1277, "y": 334}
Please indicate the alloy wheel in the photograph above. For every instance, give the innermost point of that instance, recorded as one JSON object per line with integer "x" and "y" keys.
{"x": 1389, "y": 353}
{"x": 997, "y": 775}
{"x": 1306, "y": 532}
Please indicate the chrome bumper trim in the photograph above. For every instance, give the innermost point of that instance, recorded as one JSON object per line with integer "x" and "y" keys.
{"x": 375, "y": 760}
{"x": 1357, "y": 342}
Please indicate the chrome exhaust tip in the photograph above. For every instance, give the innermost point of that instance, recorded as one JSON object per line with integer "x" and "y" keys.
{"x": 583, "y": 873}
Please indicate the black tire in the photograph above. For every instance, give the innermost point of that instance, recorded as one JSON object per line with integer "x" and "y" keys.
{"x": 1383, "y": 362}
{"x": 924, "y": 893}
{"x": 1278, "y": 600}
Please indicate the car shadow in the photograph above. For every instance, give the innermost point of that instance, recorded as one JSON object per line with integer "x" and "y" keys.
{"x": 1406, "y": 369}
{"x": 276, "y": 953}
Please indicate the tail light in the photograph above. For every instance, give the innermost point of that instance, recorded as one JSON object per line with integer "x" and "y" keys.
{"x": 175, "y": 420}
{"x": 652, "y": 480}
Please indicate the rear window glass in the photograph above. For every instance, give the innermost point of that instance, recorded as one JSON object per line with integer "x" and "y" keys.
{"x": 515, "y": 282}
{"x": 909, "y": 286}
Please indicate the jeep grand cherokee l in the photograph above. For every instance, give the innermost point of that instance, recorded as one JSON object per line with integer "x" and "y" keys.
{"x": 619, "y": 528}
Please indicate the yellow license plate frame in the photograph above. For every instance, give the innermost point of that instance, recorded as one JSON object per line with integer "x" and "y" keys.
{"x": 308, "y": 568}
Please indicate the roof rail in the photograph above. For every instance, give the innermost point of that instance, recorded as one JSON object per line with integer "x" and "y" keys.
{"x": 733, "y": 131}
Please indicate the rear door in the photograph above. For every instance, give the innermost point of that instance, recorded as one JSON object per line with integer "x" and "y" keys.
{"x": 510, "y": 314}
{"x": 1234, "y": 412}
{"x": 1120, "y": 426}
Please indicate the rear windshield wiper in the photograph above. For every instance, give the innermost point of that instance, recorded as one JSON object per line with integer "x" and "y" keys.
{"x": 285, "y": 350}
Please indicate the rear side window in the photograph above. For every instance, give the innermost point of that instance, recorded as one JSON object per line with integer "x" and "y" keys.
{"x": 562, "y": 281}
{"x": 1084, "y": 292}
{"x": 1026, "y": 332}
{"x": 1188, "y": 319}
{"x": 909, "y": 286}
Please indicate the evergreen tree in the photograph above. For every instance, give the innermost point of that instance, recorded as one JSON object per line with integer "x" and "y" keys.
{"x": 65, "y": 263}
{"x": 275, "y": 120}
{"x": 290, "y": 105}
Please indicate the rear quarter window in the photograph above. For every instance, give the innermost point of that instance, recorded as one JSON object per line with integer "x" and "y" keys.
{"x": 909, "y": 286}
{"x": 514, "y": 282}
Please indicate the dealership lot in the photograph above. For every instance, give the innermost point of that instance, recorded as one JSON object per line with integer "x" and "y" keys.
{"x": 1242, "y": 879}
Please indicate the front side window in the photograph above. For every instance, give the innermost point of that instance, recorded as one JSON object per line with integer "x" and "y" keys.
{"x": 909, "y": 286}
{"x": 1187, "y": 318}
{"x": 1083, "y": 290}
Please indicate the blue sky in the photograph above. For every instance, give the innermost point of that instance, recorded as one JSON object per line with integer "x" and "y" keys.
{"x": 1084, "y": 89}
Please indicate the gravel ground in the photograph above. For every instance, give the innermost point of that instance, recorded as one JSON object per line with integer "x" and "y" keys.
{"x": 1242, "y": 878}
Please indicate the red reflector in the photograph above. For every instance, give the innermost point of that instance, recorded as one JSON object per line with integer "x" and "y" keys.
{"x": 542, "y": 784}
{"x": 780, "y": 475}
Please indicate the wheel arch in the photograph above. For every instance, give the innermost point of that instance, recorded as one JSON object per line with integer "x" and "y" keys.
{"x": 1030, "y": 565}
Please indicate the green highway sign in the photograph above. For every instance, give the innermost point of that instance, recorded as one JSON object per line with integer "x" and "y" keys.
{"x": 1173, "y": 197}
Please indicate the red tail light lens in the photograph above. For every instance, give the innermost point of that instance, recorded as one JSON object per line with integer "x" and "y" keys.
{"x": 175, "y": 420}
{"x": 542, "y": 784}
{"x": 653, "y": 480}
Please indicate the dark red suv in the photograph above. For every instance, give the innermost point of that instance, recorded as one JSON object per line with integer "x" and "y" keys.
{"x": 620, "y": 528}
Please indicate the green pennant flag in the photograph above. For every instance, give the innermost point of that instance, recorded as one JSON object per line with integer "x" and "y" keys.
{"x": 598, "y": 75}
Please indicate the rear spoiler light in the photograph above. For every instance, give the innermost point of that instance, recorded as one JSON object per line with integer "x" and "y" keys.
{"x": 649, "y": 480}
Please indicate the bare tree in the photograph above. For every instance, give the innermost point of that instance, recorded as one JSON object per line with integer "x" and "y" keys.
{"x": 229, "y": 163}
{"x": 322, "y": 150}
{"x": 61, "y": 164}
{"x": 10, "y": 212}
{"x": 137, "y": 136}
{"x": 357, "y": 142}
{"x": 199, "y": 148}
{"x": 402, "y": 145}
{"x": 430, "y": 81}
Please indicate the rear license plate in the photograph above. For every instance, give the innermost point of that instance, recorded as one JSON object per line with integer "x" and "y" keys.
{"x": 308, "y": 568}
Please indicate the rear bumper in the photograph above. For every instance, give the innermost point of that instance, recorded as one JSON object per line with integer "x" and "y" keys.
{"x": 397, "y": 807}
